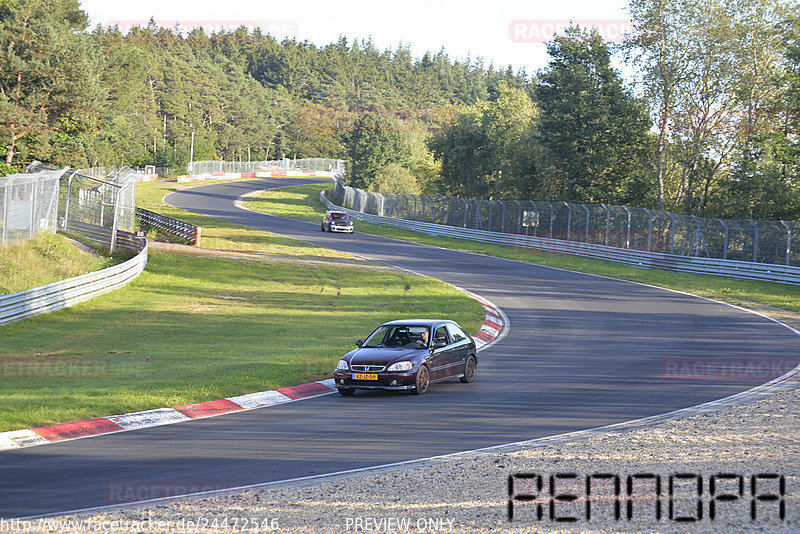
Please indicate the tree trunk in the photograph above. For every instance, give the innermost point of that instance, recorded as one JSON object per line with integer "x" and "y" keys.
{"x": 10, "y": 153}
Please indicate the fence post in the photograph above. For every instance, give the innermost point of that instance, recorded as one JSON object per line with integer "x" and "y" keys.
{"x": 608, "y": 221}
{"x": 755, "y": 240}
{"x": 5, "y": 214}
{"x": 671, "y": 233}
{"x": 69, "y": 195}
{"x": 788, "y": 242}
{"x": 33, "y": 210}
{"x": 586, "y": 237}
{"x": 569, "y": 219}
{"x": 725, "y": 243}
{"x": 552, "y": 218}
{"x": 114, "y": 222}
{"x": 628, "y": 232}
{"x": 649, "y": 229}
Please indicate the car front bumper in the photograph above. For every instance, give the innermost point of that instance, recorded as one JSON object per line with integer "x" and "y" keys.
{"x": 342, "y": 229}
{"x": 398, "y": 380}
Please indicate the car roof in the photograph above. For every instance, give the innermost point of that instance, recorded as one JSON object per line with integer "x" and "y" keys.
{"x": 418, "y": 322}
{"x": 336, "y": 213}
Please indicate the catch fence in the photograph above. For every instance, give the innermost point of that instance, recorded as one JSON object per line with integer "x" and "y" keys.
{"x": 89, "y": 202}
{"x": 28, "y": 205}
{"x": 333, "y": 166}
{"x": 747, "y": 240}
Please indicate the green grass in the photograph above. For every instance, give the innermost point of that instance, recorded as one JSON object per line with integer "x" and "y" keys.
{"x": 42, "y": 260}
{"x": 194, "y": 328}
{"x": 303, "y": 203}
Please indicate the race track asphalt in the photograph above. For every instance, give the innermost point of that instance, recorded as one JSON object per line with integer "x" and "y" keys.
{"x": 582, "y": 351}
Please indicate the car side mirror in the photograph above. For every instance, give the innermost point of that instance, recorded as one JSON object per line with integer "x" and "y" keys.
{"x": 359, "y": 342}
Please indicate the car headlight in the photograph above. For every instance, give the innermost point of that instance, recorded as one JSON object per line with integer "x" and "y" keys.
{"x": 342, "y": 365}
{"x": 400, "y": 366}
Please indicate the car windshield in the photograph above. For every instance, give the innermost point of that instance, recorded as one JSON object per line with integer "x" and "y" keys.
{"x": 339, "y": 216}
{"x": 397, "y": 336}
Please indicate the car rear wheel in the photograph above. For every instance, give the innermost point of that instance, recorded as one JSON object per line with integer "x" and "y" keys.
{"x": 469, "y": 370}
{"x": 346, "y": 391}
{"x": 423, "y": 381}
{"x": 321, "y": 227}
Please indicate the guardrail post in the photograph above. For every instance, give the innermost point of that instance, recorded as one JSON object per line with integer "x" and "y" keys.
{"x": 788, "y": 242}
{"x": 755, "y": 240}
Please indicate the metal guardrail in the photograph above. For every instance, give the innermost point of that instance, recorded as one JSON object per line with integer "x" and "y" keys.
{"x": 688, "y": 264}
{"x": 65, "y": 293}
{"x": 188, "y": 232}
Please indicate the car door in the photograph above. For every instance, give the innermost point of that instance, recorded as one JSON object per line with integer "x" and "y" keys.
{"x": 442, "y": 358}
{"x": 461, "y": 348}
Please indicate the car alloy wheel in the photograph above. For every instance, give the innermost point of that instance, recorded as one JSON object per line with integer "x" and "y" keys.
{"x": 423, "y": 380}
{"x": 469, "y": 370}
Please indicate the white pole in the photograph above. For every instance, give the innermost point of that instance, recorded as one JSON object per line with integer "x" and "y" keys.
{"x": 191, "y": 156}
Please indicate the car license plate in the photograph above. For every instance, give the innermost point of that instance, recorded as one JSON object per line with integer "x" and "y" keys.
{"x": 370, "y": 376}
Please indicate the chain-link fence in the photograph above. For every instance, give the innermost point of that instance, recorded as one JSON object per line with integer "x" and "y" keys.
{"x": 91, "y": 202}
{"x": 28, "y": 205}
{"x": 333, "y": 166}
{"x": 750, "y": 240}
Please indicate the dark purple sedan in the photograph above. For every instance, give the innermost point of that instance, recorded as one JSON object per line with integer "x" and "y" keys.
{"x": 408, "y": 355}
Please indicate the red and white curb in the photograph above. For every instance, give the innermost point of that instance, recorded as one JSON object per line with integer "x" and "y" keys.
{"x": 493, "y": 328}
{"x": 253, "y": 174}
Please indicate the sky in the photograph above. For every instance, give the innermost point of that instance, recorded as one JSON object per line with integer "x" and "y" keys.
{"x": 504, "y": 32}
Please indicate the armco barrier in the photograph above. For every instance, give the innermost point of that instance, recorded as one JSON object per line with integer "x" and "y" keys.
{"x": 69, "y": 292}
{"x": 688, "y": 264}
{"x": 189, "y": 233}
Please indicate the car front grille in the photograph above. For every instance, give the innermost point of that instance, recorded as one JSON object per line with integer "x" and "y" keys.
{"x": 367, "y": 368}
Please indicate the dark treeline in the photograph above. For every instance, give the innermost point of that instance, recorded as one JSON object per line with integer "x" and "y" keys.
{"x": 711, "y": 127}
{"x": 72, "y": 95}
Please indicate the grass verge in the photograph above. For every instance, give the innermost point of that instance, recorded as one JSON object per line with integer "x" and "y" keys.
{"x": 303, "y": 203}
{"x": 45, "y": 259}
{"x": 194, "y": 327}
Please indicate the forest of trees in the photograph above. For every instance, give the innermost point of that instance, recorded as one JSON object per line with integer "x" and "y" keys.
{"x": 710, "y": 125}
